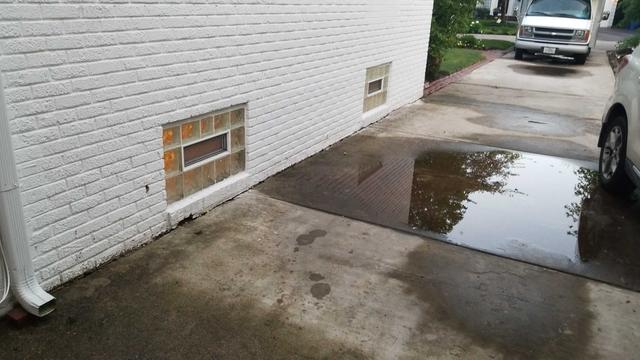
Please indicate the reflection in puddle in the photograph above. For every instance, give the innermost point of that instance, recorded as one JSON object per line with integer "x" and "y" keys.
{"x": 539, "y": 209}
{"x": 439, "y": 204}
{"x": 501, "y": 201}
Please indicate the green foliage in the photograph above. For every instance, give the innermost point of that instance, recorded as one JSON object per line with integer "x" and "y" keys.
{"x": 629, "y": 43}
{"x": 482, "y": 13}
{"x": 497, "y": 45}
{"x": 457, "y": 59}
{"x": 476, "y": 27}
{"x": 470, "y": 42}
{"x": 450, "y": 18}
{"x": 631, "y": 11}
{"x": 493, "y": 27}
{"x": 618, "y": 17}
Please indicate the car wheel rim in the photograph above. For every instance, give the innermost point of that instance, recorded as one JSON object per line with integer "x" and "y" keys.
{"x": 611, "y": 152}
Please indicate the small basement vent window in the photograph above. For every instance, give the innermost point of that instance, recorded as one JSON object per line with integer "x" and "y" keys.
{"x": 375, "y": 91}
{"x": 202, "y": 151}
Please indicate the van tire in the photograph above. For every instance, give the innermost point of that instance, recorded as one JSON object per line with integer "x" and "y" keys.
{"x": 519, "y": 54}
{"x": 581, "y": 59}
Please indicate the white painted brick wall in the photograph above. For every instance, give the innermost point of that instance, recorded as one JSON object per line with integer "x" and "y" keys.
{"x": 90, "y": 84}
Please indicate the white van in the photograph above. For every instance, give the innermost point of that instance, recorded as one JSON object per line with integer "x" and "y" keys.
{"x": 559, "y": 28}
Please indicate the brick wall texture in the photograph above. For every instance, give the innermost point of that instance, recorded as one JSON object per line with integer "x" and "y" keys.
{"x": 89, "y": 85}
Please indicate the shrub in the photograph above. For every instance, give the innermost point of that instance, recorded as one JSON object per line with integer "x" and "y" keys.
{"x": 476, "y": 27}
{"x": 630, "y": 12}
{"x": 629, "y": 43}
{"x": 470, "y": 42}
{"x": 450, "y": 18}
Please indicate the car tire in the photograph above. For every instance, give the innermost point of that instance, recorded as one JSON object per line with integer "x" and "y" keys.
{"x": 519, "y": 54}
{"x": 581, "y": 59}
{"x": 613, "y": 155}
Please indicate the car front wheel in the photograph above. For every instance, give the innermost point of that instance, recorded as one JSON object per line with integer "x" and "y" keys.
{"x": 613, "y": 155}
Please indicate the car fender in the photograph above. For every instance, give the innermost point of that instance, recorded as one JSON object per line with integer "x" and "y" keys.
{"x": 618, "y": 102}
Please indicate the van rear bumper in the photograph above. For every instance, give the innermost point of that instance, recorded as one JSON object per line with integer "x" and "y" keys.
{"x": 563, "y": 49}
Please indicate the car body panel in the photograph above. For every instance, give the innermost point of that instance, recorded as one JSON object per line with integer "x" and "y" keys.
{"x": 627, "y": 95}
{"x": 630, "y": 85}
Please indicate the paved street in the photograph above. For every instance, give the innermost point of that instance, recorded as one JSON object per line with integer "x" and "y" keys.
{"x": 397, "y": 243}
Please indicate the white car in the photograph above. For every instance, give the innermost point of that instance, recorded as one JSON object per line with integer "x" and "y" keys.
{"x": 620, "y": 134}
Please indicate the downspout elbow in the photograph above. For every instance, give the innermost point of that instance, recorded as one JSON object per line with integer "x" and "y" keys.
{"x": 13, "y": 235}
{"x": 32, "y": 296}
{"x": 15, "y": 249}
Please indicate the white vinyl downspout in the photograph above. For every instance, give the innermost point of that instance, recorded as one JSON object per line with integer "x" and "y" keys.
{"x": 13, "y": 234}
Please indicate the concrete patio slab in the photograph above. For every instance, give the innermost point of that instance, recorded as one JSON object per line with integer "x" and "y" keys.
{"x": 260, "y": 278}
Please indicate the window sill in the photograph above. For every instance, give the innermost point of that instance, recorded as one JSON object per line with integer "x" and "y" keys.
{"x": 199, "y": 203}
{"x": 375, "y": 114}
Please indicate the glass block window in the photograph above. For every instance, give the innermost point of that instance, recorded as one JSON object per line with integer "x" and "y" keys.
{"x": 375, "y": 90}
{"x": 202, "y": 151}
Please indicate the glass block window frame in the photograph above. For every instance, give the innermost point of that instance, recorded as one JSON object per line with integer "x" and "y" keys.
{"x": 225, "y": 128}
{"x": 376, "y": 87}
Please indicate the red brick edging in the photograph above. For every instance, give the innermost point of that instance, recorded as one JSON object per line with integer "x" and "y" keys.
{"x": 437, "y": 85}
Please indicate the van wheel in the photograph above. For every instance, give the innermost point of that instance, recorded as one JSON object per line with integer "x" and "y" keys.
{"x": 613, "y": 156}
{"x": 581, "y": 59}
{"x": 519, "y": 54}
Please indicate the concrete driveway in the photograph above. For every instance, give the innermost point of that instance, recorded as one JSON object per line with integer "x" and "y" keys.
{"x": 263, "y": 278}
{"x": 542, "y": 106}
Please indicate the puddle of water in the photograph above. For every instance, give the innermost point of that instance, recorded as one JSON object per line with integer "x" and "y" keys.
{"x": 535, "y": 208}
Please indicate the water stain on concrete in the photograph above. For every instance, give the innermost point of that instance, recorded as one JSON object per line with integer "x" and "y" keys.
{"x": 176, "y": 298}
{"x": 316, "y": 277}
{"x": 479, "y": 197}
{"x": 520, "y": 118}
{"x": 503, "y": 306}
{"x": 308, "y": 239}
{"x": 320, "y": 290}
{"x": 541, "y": 145}
{"x": 551, "y": 71}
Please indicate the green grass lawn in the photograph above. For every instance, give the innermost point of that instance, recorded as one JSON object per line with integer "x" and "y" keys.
{"x": 497, "y": 44}
{"x": 493, "y": 28}
{"x": 457, "y": 59}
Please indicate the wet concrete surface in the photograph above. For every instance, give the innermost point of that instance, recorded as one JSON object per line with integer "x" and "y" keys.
{"x": 519, "y": 118}
{"x": 545, "y": 106}
{"x": 539, "y": 209}
{"x": 231, "y": 285}
{"x": 506, "y": 324}
{"x": 548, "y": 71}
